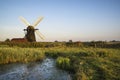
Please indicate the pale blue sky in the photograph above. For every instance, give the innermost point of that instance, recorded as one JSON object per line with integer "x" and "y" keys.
{"x": 79, "y": 20}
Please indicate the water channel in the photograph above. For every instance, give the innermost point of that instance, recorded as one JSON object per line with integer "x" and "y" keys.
{"x": 45, "y": 70}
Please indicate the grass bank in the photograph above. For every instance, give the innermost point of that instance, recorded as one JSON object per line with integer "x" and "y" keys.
{"x": 84, "y": 63}
{"x": 88, "y": 63}
{"x": 10, "y": 55}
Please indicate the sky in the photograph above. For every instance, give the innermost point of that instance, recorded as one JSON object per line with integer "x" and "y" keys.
{"x": 77, "y": 20}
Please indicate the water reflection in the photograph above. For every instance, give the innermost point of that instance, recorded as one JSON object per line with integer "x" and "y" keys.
{"x": 45, "y": 70}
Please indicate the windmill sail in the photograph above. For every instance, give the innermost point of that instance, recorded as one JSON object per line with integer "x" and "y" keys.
{"x": 41, "y": 36}
{"x": 37, "y": 21}
{"x": 24, "y": 21}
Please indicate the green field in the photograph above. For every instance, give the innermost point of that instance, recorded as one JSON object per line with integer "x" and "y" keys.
{"x": 85, "y": 63}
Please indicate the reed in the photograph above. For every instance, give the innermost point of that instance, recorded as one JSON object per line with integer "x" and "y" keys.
{"x": 84, "y": 63}
{"x": 9, "y": 55}
{"x": 88, "y": 63}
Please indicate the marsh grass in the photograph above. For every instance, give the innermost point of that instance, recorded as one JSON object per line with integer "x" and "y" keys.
{"x": 9, "y": 55}
{"x": 88, "y": 63}
{"x": 84, "y": 63}
{"x": 63, "y": 63}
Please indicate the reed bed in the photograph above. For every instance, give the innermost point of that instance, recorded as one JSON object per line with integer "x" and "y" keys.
{"x": 88, "y": 63}
{"x": 83, "y": 63}
{"x": 9, "y": 55}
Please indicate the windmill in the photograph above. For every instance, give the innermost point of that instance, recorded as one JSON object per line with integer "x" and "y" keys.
{"x": 30, "y": 30}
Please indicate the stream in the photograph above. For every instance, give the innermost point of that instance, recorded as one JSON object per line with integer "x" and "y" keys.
{"x": 45, "y": 70}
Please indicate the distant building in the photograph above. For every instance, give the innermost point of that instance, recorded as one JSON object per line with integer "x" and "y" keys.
{"x": 18, "y": 40}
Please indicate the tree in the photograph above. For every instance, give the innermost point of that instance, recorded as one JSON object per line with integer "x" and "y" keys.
{"x": 7, "y": 40}
{"x": 70, "y": 41}
{"x": 56, "y": 41}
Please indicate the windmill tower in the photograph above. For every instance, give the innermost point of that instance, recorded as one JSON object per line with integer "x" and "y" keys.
{"x": 30, "y": 30}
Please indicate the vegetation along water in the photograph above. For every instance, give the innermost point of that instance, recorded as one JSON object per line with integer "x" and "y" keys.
{"x": 85, "y": 63}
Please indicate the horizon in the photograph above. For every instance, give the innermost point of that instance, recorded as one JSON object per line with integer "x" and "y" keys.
{"x": 64, "y": 20}
{"x": 112, "y": 40}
